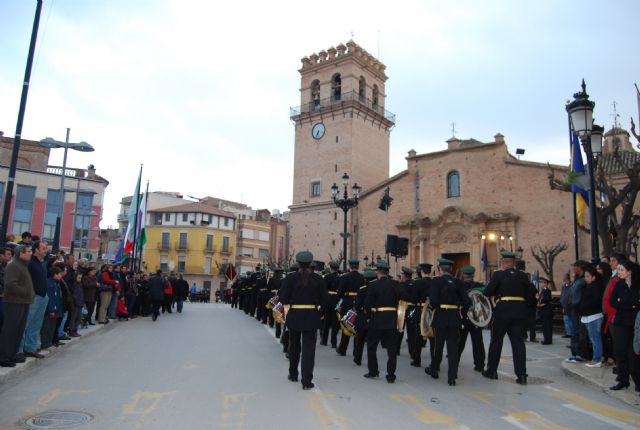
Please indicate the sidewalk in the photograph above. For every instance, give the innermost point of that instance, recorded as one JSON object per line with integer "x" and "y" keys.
{"x": 7, "y": 373}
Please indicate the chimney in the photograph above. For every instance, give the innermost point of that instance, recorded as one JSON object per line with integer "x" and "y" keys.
{"x": 453, "y": 143}
{"x": 91, "y": 172}
{"x": 499, "y": 138}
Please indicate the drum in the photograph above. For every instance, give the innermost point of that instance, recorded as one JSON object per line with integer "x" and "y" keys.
{"x": 426, "y": 318}
{"x": 480, "y": 310}
{"x": 272, "y": 302}
{"x": 348, "y": 322}
{"x": 278, "y": 313}
{"x": 402, "y": 309}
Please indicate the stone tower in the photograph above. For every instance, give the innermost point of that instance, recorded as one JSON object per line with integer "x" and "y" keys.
{"x": 341, "y": 127}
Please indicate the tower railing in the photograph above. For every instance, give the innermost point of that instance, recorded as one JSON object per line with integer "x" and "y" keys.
{"x": 343, "y": 98}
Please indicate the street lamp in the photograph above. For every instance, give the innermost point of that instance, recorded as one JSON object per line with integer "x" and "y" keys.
{"x": 52, "y": 144}
{"x": 580, "y": 111}
{"x": 345, "y": 203}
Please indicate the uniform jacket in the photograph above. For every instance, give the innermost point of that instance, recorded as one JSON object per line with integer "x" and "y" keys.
{"x": 515, "y": 283}
{"x": 626, "y": 301}
{"x": 331, "y": 284}
{"x": 304, "y": 288}
{"x": 17, "y": 282}
{"x": 359, "y": 306}
{"x": 544, "y": 304}
{"x": 447, "y": 290}
{"x": 384, "y": 292}
{"x": 348, "y": 286}
{"x": 421, "y": 288}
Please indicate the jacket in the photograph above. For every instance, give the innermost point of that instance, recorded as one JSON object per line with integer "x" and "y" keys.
{"x": 54, "y": 305}
{"x": 77, "y": 295}
{"x": 38, "y": 272}
{"x": 383, "y": 293}
{"x": 348, "y": 286}
{"x": 565, "y": 298}
{"x": 511, "y": 283}
{"x": 308, "y": 289}
{"x": 89, "y": 287}
{"x": 107, "y": 281}
{"x": 626, "y": 300}
{"x": 590, "y": 300}
{"x": 447, "y": 291}
{"x": 609, "y": 310}
{"x": 156, "y": 288}
{"x": 18, "y": 287}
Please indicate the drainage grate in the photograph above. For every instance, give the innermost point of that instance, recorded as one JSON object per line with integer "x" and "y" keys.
{"x": 56, "y": 419}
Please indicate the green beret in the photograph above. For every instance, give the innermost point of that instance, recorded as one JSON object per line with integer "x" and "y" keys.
{"x": 353, "y": 262}
{"x": 425, "y": 266}
{"x": 334, "y": 265}
{"x": 325, "y": 271}
{"x": 304, "y": 257}
{"x": 369, "y": 273}
{"x": 381, "y": 264}
{"x": 468, "y": 270}
{"x": 294, "y": 267}
{"x": 507, "y": 254}
{"x": 445, "y": 262}
{"x": 407, "y": 271}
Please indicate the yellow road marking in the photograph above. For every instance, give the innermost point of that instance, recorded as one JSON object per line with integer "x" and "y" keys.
{"x": 327, "y": 416}
{"x": 595, "y": 408}
{"x": 234, "y": 410}
{"x": 424, "y": 414}
{"x": 531, "y": 420}
{"x": 142, "y": 404}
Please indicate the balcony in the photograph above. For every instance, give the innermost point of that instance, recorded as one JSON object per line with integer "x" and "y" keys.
{"x": 210, "y": 249}
{"x": 227, "y": 251}
{"x": 345, "y": 100}
{"x": 164, "y": 246}
{"x": 182, "y": 247}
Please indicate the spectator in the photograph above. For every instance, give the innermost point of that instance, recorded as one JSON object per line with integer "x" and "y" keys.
{"x": 77, "y": 302}
{"x": 107, "y": 286}
{"x": 194, "y": 292}
{"x": 67, "y": 306}
{"x": 5, "y": 257}
{"x": 89, "y": 291}
{"x": 610, "y": 311}
{"x": 181, "y": 292}
{"x": 38, "y": 272}
{"x": 590, "y": 310}
{"x": 115, "y": 276}
{"x": 26, "y": 239}
{"x": 54, "y": 308}
{"x": 156, "y": 291}
{"x": 18, "y": 297}
{"x": 121, "y": 310}
{"x": 168, "y": 296}
{"x": 565, "y": 302}
{"x": 578, "y": 339}
{"x": 625, "y": 298}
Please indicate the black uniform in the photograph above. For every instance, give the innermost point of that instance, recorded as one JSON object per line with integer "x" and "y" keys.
{"x": 362, "y": 327}
{"x": 406, "y": 294}
{"x": 447, "y": 297}
{"x": 331, "y": 323}
{"x": 348, "y": 286}
{"x": 305, "y": 293}
{"x": 477, "y": 343}
{"x": 515, "y": 296}
{"x": 421, "y": 287}
{"x": 381, "y": 307}
{"x": 273, "y": 285}
{"x": 253, "y": 294}
{"x": 546, "y": 314}
{"x": 413, "y": 295}
{"x": 262, "y": 298}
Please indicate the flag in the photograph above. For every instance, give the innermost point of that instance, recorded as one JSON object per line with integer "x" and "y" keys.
{"x": 142, "y": 221}
{"x": 483, "y": 259}
{"x": 535, "y": 280}
{"x": 577, "y": 170}
{"x": 120, "y": 255}
{"x": 133, "y": 211}
{"x": 230, "y": 272}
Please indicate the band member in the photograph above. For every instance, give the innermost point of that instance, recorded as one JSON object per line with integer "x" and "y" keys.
{"x": 362, "y": 328}
{"x": 515, "y": 295}
{"x": 331, "y": 323}
{"x": 468, "y": 328}
{"x": 381, "y": 308}
{"x": 348, "y": 286}
{"x": 420, "y": 293}
{"x": 273, "y": 285}
{"x": 447, "y": 297}
{"x": 545, "y": 311}
{"x": 263, "y": 296}
{"x": 284, "y": 339}
{"x": 306, "y": 294}
{"x": 406, "y": 287}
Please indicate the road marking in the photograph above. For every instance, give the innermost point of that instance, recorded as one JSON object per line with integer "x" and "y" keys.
{"x": 326, "y": 414}
{"x": 528, "y": 420}
{"x": 234, "y": 410}
{"x": 48, "y": 398}
{"x": 614, "y": 416}
{"x": 143, "y": 403}
{"x": 424, "y": 414}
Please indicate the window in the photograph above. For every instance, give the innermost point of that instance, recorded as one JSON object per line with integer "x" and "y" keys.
{"x": 226, "y": 222}
{"x": 453, "y": 184}
{"x": 182, "y": 263}
{"x": 374, "y": 97}
{"x": 263, "y": 253}
{"x": 157, "y": 219}
{"x": 315, "y": 189}
{"x": 263, "y": 235}
{"x": 336, "y": 87}
{"x": 51, "y": 214}
{"x": 362, "y": 88}
{"x": 246, "y": 233}
{"x": 225, "y": 244}
{"x": 167, "y": 216}
{"x": 183, "y": 240}
{"x": 163, "y": 263}
{"x": 209, "y": 242}
{"x": 166, "y": 237}
{"x": 246, "y": 252}
{"x": 207, "y": 265}
{"x": 23, "y": 209}
{"x": 84, "y": 202}
{"x": 315, "y": 94}
{"x": 185, "y": 217}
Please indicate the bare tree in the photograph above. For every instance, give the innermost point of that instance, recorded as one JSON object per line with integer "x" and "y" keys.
{"x": 545, "y": 256}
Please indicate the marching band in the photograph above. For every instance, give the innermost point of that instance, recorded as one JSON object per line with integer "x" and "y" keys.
{"x": 373, "y": 308}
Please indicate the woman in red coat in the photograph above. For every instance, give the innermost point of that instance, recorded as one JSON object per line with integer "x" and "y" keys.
{"x": 168, "y": 297}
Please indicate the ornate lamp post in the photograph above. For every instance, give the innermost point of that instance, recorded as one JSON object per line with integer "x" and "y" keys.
{"x": 581, "y": 113}
{"x": 345, "y": 203}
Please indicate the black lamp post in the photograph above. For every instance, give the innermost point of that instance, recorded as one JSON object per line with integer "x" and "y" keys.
{"x": 345, "y": 203}
{"x": 581, "y": 113}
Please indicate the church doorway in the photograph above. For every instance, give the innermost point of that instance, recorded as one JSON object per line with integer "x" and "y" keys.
{"x": 460, "y": 260}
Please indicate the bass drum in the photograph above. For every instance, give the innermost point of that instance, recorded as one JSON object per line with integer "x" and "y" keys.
{"x": 480, "y": 310}
{"x": 402, "y": 310}
{"x": 426, "y": 318}
{"x": 348, "y": 322}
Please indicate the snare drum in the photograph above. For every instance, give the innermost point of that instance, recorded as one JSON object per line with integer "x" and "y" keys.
{"x": 348, "y": 322}
{"x": 278, "y": 313}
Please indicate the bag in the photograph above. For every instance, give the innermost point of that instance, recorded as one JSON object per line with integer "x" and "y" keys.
{"x": 103, "y": 288}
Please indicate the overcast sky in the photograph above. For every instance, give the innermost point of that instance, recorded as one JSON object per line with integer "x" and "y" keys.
{"x": 199, "y": 91}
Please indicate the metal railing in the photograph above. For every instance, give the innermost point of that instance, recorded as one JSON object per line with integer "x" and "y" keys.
{"x": 209, "y": 248}
{"x": 228, "y": 250}
{"x": 182, "y": 247}
{"x": 352, "y": 96}
{"x": 162, "y": 246}
{"x": 70, "y": 172}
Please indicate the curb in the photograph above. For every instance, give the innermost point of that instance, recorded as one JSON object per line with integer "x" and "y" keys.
{"x": 9, "y": 373}
{"x": 629, "y": 396}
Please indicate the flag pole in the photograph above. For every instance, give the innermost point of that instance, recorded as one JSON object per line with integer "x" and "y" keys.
{"x": 576, "y": 242}
{"x": 144, "y": 217}
{"x": 135, "y": 198}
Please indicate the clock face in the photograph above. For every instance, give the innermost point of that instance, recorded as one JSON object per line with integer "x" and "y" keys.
{"x": 317, "y": 131}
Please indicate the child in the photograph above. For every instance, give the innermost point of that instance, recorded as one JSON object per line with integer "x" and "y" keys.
{"x": 54, "y": 308}
{"x": 121, "y": 310}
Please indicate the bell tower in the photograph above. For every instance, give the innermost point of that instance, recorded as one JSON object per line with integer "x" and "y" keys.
{"x": 341, "y": 126}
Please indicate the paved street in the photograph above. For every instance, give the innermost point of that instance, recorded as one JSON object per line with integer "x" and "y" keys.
{"x": 215, "y": 368}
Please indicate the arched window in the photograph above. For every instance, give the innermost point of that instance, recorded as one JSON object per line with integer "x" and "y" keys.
{"x": 453, "y": 184}
{"x": 315, "y": 94}
{"x": 362, "y": 88}
{"x": 374, "y": 97}
{"x": 336, "y": 87}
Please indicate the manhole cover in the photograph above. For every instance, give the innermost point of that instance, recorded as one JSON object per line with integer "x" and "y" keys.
{"x": 56, "y": 420}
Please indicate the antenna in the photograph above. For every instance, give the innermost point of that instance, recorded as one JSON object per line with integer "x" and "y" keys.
{"x": 453, "y": 129}
{"x": 615, "y": 114}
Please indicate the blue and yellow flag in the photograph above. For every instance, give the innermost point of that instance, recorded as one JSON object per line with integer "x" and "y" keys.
{"x": 577, "y": 169}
